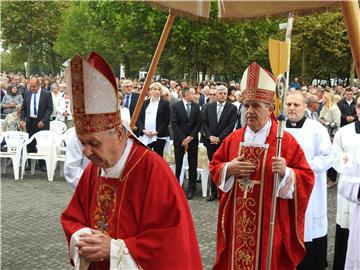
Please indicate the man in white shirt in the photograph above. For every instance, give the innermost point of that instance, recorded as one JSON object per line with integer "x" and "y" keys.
{"x": 35, "y": 113}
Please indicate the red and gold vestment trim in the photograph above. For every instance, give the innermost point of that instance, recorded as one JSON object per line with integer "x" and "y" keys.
{"x": 247, "y": 221}
{"x": 87, "y": 122}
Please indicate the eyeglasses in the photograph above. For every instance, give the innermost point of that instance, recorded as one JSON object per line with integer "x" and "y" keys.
{"x": 212, "y": 94}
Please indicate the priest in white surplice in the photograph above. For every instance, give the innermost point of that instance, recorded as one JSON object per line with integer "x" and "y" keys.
{"x": 347, "y": 148}
{"x": 315, "y": 141}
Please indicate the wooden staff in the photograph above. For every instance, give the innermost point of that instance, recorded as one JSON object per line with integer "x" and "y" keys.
{"x": 280, "y": 93}
{"x": 351, "y": 15}
{"x": 152, "y": 68}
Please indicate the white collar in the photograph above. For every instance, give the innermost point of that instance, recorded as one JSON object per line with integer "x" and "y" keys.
{"x": 38, "y": 92}
{"x": 155, "y": 100}
{"x": 186, "y": 102}
{"x": 219, "y": 103}
{"x": 258, "y": 137}
{"x": 115, "y": 171}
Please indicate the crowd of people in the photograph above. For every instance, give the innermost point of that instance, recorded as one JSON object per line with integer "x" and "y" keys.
{"x": 229, "y": 123}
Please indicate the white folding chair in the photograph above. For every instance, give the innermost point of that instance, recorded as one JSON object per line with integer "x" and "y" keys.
{"x": 45, "y": 144}
{"x": 203, "y": 168}
{"x": 169, "y": 155}
{"x": 61, "y": 147}
{"x": 57, "y": 127}
{"x": 68, "y": 134}
{"x": 14, "y": 141}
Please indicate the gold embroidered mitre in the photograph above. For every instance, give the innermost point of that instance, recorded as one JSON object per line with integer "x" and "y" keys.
{"x": 93, "y": 93}
{"x": 258, "y": 84}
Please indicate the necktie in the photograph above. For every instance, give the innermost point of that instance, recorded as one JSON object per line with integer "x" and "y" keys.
{"x": 188, "y": 109}
{"x": 35, "y": 109}
{"x": 238, "y": 119}
{"x": 127, "y": 101}
{"x": 219, "y": 111}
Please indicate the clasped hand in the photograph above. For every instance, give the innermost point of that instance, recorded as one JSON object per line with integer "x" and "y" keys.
{"x": 150, "y": 133}
{"x": 214, "y": 140}
{"x": 186, "y": 141}
{"x": 240, "y": 168}
{"x": 94, "y": 246}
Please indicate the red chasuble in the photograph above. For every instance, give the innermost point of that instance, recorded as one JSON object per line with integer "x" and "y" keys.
{"x": 244, "y": 211}
{"x": 146, "y": 208}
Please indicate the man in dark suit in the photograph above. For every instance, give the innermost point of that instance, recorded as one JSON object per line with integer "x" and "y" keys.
{"x": 130, "y": 97}
{"x": 219, "y": 119}
{"x": 186, "y": 123}
{"x": 347, "y": 108}
{"x": 35, "y": 113}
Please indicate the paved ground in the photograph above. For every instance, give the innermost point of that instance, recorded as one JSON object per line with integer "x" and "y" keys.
{"x": 32, "y": 238}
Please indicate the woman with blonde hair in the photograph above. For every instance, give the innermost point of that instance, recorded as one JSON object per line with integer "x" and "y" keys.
{"x": 330, "y": 117}
{"x": 330, "y": 114}
{"x": 154, "y": 119}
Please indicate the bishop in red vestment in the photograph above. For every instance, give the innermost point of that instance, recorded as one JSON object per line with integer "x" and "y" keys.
{"x": 128, "y": 210}
{"x": 246, "y": 193}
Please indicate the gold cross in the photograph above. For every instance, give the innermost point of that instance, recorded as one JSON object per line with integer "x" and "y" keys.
{"x": 345, "y": 159}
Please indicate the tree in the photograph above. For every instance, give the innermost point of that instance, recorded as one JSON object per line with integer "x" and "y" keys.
{"x": 30, "y": 30}
{"x": 320, "y": 47}
{"x": 123, "y": 32}
{"x": 128, "y": 32}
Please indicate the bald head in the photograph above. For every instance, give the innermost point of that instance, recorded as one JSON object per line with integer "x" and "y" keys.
{"x": 34, "y": 84}
{"x": 295, "y": 106}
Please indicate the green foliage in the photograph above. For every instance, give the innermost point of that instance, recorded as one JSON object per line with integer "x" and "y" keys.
{"x": 123, "y": 32}
{"x": 29, "y": 31}
{"x": 11, "y": 62}
{"x": 128, "y": 33}
{"x": 321, "y": 45}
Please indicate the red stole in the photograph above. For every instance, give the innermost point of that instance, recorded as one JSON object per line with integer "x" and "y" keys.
{"x": 247, "y": 212}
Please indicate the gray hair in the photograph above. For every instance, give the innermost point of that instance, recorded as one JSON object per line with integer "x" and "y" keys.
{"x": 220, "y": 88}
{"x": 312, "y": 99}
{"x": 53, "y": 86}
{"x": 127, "y": 82}
{"x": 237, "y": 93}
{"x": 165, "y": 91}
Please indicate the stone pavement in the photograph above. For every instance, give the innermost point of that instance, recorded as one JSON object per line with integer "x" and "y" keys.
{"x": 32, "y": 237}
